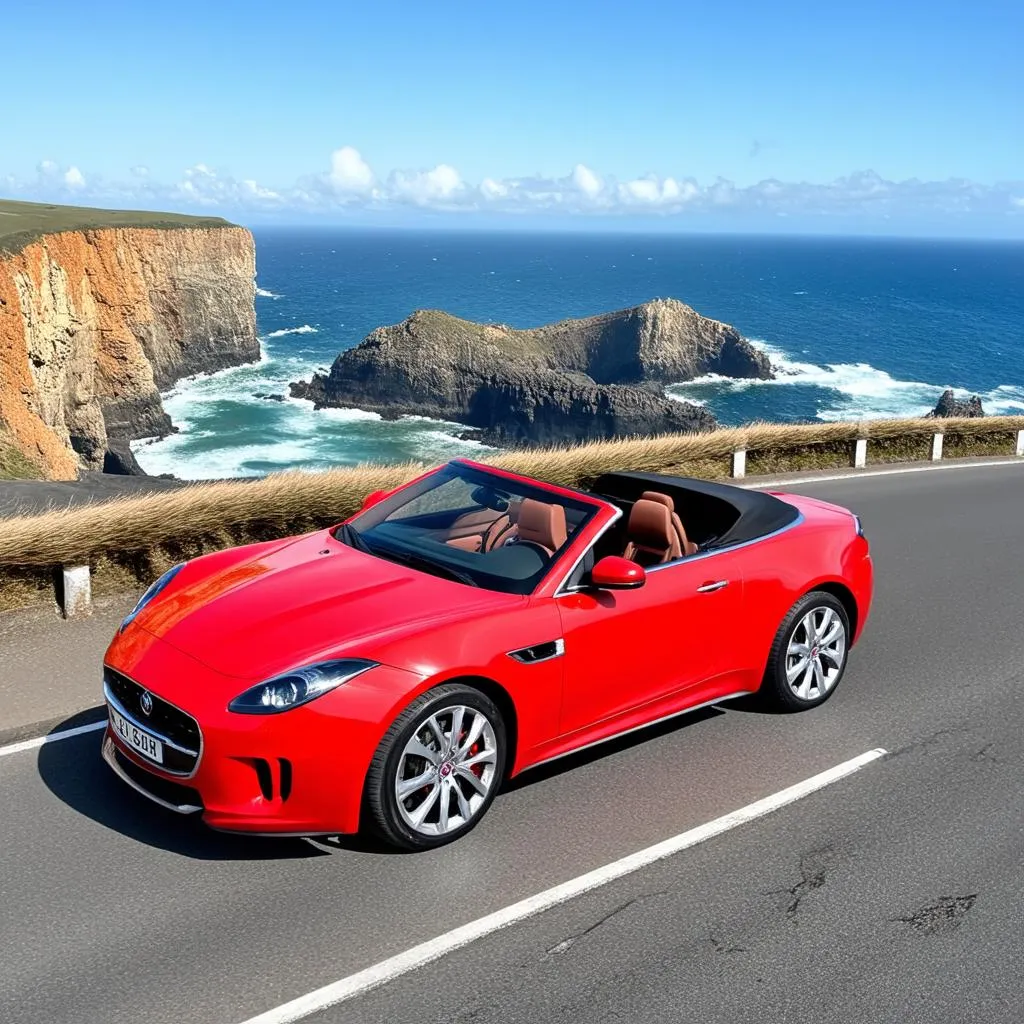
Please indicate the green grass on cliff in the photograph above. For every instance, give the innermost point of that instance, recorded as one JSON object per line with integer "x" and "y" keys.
{"x": 13, "y": 464}
{"x": 22, "y": 223}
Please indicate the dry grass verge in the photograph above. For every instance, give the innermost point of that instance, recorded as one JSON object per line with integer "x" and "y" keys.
{"x": 131, "y": 540}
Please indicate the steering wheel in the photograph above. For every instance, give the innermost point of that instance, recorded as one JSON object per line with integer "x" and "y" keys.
{"x": 533, "y": 545}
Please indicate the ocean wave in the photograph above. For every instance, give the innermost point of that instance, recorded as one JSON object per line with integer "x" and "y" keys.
{"x": 304, "y": 329}
{"x": 440, "y": 442}
{"x": 344, "y": 415}
{"x": 250, "y": 460}
{"x": 226, "y": 430}
{"x": 264, "y": 293}
{"x": 1004, "y": 400}
{"x": 858, "y": 390}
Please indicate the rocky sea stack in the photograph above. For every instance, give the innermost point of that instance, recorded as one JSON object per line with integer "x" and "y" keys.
{"x": 949, "y": 405}
{"x": 576, "y": 380}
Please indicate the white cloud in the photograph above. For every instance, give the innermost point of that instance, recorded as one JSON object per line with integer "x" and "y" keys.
{"x": 653, "y": 191}
{"x": 492, "y": 189}
{"x": 350, "y": 172}
{"x": 351, "y": 185}
{"x": 442, "y": 184}
{"x": 258, "y": 191}
{"x": 586, "y": 181}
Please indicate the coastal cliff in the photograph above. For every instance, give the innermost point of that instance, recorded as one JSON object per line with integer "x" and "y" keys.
{"x": 99, "y": 312}
{"x": 583, "y": 379}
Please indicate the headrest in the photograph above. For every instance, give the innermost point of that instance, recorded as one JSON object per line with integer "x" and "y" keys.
{"x": 661, "y": 499}
{"x": 542, "y": 524}
{"x": 650, "y": 525}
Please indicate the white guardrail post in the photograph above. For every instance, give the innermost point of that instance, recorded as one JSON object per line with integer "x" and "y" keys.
{"x": 739, "y": 463}
{"x": 860, "y": 453}
{"x": 76, "y": 600}
{"x": 1020, "y": 442}
{"x": 936, "y": 447}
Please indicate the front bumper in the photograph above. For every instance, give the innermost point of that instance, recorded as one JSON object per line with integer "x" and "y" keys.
{"x": 184, "y": 801}
{"x": 296, "y": 773}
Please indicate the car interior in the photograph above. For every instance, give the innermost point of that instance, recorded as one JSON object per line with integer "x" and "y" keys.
{"x": 650, "y": 532}
{"x": 506, "y": 535}
{"x": 658, "y": 526}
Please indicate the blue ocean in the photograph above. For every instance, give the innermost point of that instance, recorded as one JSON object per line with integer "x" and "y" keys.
{"x": 858, "y": 328}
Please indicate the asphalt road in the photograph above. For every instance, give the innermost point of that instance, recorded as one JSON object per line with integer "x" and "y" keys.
{"x": 32, "y": 497}
{"x": 896, "y": 894}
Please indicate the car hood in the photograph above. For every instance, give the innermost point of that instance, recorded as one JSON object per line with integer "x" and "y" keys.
{"x": 312, "y": 599}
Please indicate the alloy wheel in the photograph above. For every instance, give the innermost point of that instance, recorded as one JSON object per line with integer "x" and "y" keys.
{"x": 816, "y": 653}
{"x": 446, "y": 770}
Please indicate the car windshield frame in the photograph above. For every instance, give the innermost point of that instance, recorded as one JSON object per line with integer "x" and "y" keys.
{"x": 428, "y": 555}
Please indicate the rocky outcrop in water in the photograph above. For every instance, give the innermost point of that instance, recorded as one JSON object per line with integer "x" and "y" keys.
{"x": 949, "y": 405}
{"x": 576, "y": 380}
{"x": 95, "y": 322}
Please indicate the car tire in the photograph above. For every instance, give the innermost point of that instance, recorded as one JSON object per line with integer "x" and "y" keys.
{"x": 456, "y": 801}
{"x": 808, "y": 655}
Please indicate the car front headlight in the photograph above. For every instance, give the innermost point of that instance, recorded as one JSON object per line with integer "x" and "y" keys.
{"x": 299, "y": 686}
{"x": 148, "y": 596}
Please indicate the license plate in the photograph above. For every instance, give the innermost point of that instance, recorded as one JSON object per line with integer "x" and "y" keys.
{"x": 148, "y": 746}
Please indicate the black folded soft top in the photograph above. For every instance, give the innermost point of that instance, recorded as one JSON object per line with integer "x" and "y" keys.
{"x": 751, "y": 514}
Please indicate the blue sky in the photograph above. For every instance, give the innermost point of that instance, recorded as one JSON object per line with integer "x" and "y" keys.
{"x": 897, "y": 116}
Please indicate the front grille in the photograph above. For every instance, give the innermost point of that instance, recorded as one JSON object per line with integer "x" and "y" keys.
{"x": 171, "y": 792}
{"x": 164, "y": 719}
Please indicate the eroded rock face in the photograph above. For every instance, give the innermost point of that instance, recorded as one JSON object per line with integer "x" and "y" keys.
{"x": 586, "y": 379}
{"x": 949, "y": 405}
{"x": 94, "y": 323}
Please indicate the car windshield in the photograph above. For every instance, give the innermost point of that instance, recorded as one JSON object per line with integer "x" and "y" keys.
{"x": 472, "y": 526}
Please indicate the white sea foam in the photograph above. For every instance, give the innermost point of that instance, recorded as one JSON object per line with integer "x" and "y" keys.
{"x": 263, "y": 293}
{"x": 230, "y": 461}
{"x": 860, "y": 391}
{"x": 304, "y": 329}
{"x": 432, "y": 444}
{"x": 210, "y": 445}
{"x": 344, "y": 415}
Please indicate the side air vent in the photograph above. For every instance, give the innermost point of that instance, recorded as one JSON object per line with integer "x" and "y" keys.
{"x": 539, "y": 652}
{"x": 263, "y": 776}
{"x": 286, "y": 777}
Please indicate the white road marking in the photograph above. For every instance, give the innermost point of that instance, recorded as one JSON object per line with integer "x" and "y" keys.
{"x": 387, "y": 970}
{"x": 53, "y": 737}
{"x": 867, "y": 474}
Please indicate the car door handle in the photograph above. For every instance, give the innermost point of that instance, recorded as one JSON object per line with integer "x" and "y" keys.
{"x": 707, "y": 588}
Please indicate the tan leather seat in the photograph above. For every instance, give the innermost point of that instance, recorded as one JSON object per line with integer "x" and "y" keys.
{"x": 541, "y": 524}
{"x": 686, "y": 546}
{"x": 472, "y": 543}
{"x": 650, "y": 536}
{"x": 504, "y": 529}
{"x": 468, "y": 531}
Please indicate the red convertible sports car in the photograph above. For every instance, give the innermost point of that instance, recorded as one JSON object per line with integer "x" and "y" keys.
{"x": 393, "y": 671}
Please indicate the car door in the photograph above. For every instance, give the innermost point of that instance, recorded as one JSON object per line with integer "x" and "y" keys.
{"x": 629, "y": 648}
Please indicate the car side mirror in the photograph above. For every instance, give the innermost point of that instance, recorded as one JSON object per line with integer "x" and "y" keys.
{"x": 372, "y": 498}
{"x": 616, "y": 573}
